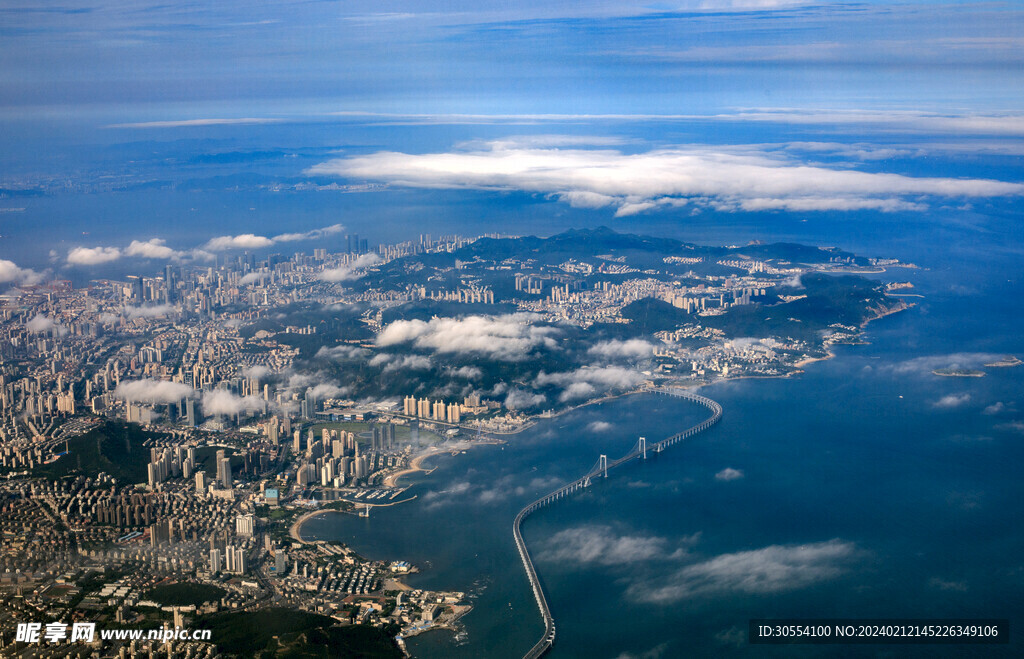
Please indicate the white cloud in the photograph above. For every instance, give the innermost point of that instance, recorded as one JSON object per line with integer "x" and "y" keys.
{"x": 599, "y": 426}
{"x": 509, "y": 337}
{"x": 342, "y": 352}
{"x": 152, "y": 391}
{"x": 308, "y": 235}
{"x": 729, "y": 474}
{"x": 221, "y": 401}
{"x": 629, "y": 349}
{"x": 252, "y": 278}
{"x": 881, "y": 121}
{"x": 187, "y": 123}
{"x": 11, "y": 273}
{"x": 153, "y": 311}
{"x": 324, "y": 390}
{"x": 584, "y": 382}
{"x": 241, "y": 241}
{"x": 891, "y": 121}
{"x": 349, "y": 271}
{"x": 154, "y": 248}
{"x": 93, "y": 255}
{"x": 726, "y": 178}
{"x": 577, "y": 390}
{"x": 397, "y": 362}
{"x": 467, "y": 372}
{"x": 952, "y": 400}
{"x": 773, "y": 569}
{"x": 40, "y": 323}
{"x": 257, "y": 371}
{"x": 585, "y": 199}
{"x": 601, "y": 545}
{"x": 995, "y": 408}
{"x": 519, "y": 399}
{"x": 253, "y": 241}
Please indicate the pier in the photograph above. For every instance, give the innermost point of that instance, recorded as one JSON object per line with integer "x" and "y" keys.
{"x": 599, "y": 470}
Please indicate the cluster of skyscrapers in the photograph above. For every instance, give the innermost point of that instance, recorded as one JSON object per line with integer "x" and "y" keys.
{"x": 437, "y": 411}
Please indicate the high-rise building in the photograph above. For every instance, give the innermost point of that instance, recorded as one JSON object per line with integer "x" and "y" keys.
{"x": 453, "y": 413}
{"x": 225, "y": 473}
{"x": 280, "y": 562}
{"x": 135, "y": 285}
{"x": 200, "y": 482}
{"x": 215, "y": 561}
{"x": 245, "y": 525}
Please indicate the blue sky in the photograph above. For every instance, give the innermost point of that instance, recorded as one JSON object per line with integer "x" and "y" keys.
{"x": 607, "y": 109}
{"x": 129, "y": 61}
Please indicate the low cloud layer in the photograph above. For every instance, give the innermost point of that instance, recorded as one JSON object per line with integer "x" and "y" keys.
{"x": 157, "y": 248}
{"x": 601, "y": 545}
{"x": 253, "y": 241}
{"x": 152, "y": 311}
{"x": 190, "y": 123}
{"x": 341, "y": 353}
{"x": 724, "y": 178}
{"x": 632, "y": 349}
{"x": 350, "y": 271}
{"x": 584, "y": 382}
{"x": 519, "y": 399}
{"x": 221, "y": 401}
{"x": 40, "y": 324}
{"x": 152, "y": 391}
{"x": 401, "y": 362}
{"x": 773, "y": 569}
{"x": 509, "y": 337}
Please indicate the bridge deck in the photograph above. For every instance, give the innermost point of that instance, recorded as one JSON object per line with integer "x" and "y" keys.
{"x": 548, "y": 639}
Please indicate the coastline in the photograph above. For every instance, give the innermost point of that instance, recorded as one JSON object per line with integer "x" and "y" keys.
{"x": 416, "y": 465}
{"x": 295, "y": 530}
{"x": 391, "y": 480}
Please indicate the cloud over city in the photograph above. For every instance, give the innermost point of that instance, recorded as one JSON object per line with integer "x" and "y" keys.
{"x": 351, "y": 270}
{"x": 221, "y": 401}
{"x": 40, "y": 323}
{"x": 157, "y": 248}
{"x": 586, "y": 381}
{"x": 152, "y": 391}
{"x": 10, "y": 273}
{"x": 510, "y": 337}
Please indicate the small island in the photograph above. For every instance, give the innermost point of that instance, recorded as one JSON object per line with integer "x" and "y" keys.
{"x": 959, "y": 373}
{"x": 1005, "y": 362}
